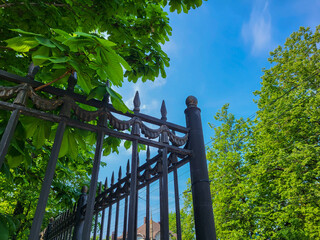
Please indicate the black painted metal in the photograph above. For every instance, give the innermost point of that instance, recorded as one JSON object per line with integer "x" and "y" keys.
{"x": 103, "y": 212}
{"x": 96, "y": 217}
{"x": 164, "y": 205}
{"x": 177, "y": 202}
{"x": 83, "y": 99}
{"x": 133, "y": 192}
{"x": 44, "y": 194}
{"x": 79, "y": 218}
{"x": 93, "y": 183}
{"x": 109, "y": 221}
{"x": 117, "y": 222}
{"x": 202, "y": 204}
{"x": 76, "y": 224}
{"x": 125, "y": 218}
{"x": 148, "y": 211}
{"x": 89, "y": 127}
{"x": 7, "y": 135}
{"x": 11, "y": 126}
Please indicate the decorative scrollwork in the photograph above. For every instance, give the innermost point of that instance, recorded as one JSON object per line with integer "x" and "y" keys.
{"x": 85, "y": 115}
{"x": 42, "y": 103}
{"x": 9, "y": 92}
{"x": 177, "y": 141}
{"x": 120, "y": 124}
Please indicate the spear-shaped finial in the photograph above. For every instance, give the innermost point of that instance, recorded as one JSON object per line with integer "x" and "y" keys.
{"x": 136, "y": 102}
{"x": 99, "y": 187}
{"x": 128, "y": 167}
{"x": 106, "y": 97}
{"x": 163, "y": 111}
{"x": 148, "y": 153}
{"x": 106, "y": 184}
{"x": 32, "y": 71}
{"x": 72, "y": 81}
{"x": 119, "y": 174}
{"x": 112, "y": 178}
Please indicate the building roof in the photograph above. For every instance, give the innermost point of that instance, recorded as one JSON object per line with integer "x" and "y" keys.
{"x": 154, "y": 230}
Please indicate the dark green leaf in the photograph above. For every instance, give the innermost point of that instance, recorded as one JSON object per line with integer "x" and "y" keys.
{"x": 45, "y": 42}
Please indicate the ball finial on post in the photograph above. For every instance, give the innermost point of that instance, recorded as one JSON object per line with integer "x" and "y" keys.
{"x": 191, "y": 101}
{"x": 84, "y": 189}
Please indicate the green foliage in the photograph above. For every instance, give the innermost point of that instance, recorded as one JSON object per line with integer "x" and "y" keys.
{"x": 91, "y": 57}
{"x": 286, "y": 175}
{"x": 265, "y": 173}
{"x": 228, "y": 170}
{"x": 100, "y": 41}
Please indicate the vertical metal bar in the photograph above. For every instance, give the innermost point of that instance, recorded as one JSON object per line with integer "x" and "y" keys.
{"x": 102, "y": 224}
{"x": 161, "y": 197}
{"x": 125, "y": 218}
{"x": 7, "y": 135}
{"x": 96, "y": 216}
{"x": 177, "y": 203}
{"x": 109, "y": 221}
{"x": 12, "y": 124}
{"x": 200, "y": 185}
{"x": 78, "y": 219}
{"x": 44, "y": 194}
{"x": 72, "y": 221}
{"x": 65, "y": 231}
{"x": 164, "y": 208}
{"x": 148, "y": 211}
{"x": 136, "y": 217}
{"x": 47, "y": 234}
{"x": 117, "y": 222}
{"x": 133, "y": 192}
{"x": 93, "y": 183}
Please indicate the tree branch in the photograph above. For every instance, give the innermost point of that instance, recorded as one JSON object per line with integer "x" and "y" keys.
{"x": 55, "y": 80}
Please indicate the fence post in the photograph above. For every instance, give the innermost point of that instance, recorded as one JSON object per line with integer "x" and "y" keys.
{"x": 79, "y": 216}
{"x": 202, "y": 204}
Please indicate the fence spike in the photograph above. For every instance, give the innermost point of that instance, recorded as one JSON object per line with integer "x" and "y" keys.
{"x": 32, "y": 71}
{"x": 136, "y": 102}
{"x": 100, "y": 187}
{"x": 106, "y": 97}
{"x": 106, "y": 183}
{"x": 128, "y": 167}
{"x": 163, "y": 111}
{"x": 119, "y": 174}
{"x": 148, "y": 153}
{"x": 112, "y": 178}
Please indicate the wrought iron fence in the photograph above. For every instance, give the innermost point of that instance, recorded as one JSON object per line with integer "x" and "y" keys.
{"x": 77, "y": 224}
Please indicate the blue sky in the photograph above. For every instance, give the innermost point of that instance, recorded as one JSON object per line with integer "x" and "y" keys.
{"x": 217, "y": 54}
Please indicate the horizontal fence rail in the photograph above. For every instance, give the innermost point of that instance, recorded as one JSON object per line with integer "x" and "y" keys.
{"x": 95, "y": 210}
{"x": 110, "y": 197}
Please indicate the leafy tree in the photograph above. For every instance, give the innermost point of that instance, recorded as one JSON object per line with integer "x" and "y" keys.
{"x": 95, "y": 39}
{"x": 265, "y": 174}
{"x": 228, "y": 168}
{"x": 286, "y": 174}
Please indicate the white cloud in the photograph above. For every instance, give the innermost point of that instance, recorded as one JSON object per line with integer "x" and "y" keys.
{"x": 170, "y": 48}
{"x": 148, "y": 104}
{"x": 257, "y": 31}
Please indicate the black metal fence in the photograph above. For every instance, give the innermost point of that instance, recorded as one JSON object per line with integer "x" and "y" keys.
{"x": 78, "y": 223}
